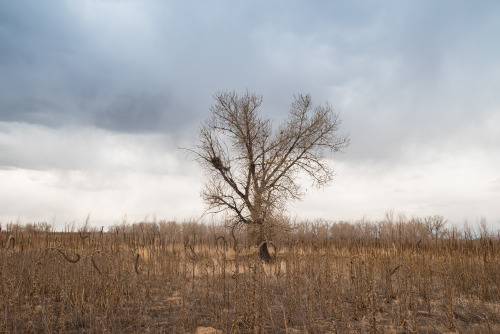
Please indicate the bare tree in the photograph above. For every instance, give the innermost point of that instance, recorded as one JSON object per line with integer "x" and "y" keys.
{"x": 252, "y": 171}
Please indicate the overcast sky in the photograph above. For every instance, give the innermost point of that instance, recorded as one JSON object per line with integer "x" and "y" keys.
{"x": 97, "y": 96}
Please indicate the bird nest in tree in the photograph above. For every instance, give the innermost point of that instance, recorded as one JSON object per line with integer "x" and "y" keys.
{"x": 217, "y": 163}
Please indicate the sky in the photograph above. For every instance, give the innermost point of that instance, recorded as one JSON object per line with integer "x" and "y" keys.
{"x": 98, "y": 97}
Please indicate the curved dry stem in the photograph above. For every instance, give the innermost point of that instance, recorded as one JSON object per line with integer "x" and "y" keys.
{"x": 83, "y": 237}
{"x": 94, "y": 264}
{"x": 223, "y": 240}
{"x": 361, "y": 258}
{"x": 397, "y": 267}
{"x": 136, "y": 266}
{"x": 9, "y": 240}
{"x": 193, "y": 255}
{"x": 66, "y": 257}
{"x": 237, "y": 247}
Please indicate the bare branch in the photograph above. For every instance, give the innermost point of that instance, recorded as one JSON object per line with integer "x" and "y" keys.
{"x": 251, "y": 170}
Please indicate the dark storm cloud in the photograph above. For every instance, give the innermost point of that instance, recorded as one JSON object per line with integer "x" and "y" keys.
{"x": 392, "y": 70}
{"x": 57, "y": 69}
{"x": 34, "y": 37}
{"x": 153, "y": 66}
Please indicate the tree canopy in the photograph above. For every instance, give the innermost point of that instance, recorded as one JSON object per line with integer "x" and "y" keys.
{"x": 252, "y": 169}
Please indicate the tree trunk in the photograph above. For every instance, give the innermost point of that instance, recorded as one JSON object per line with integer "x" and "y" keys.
{"x": 262, "y": 242}
{"x": 264, "y": 252}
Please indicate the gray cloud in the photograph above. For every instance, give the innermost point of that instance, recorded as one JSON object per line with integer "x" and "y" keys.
{"x": 145, "y": 66}
{"x": 406, "y": 70}
{"x": 69, "y": 63}
{"x": 58, "y": 69}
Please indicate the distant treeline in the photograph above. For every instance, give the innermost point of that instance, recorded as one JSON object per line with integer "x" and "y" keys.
{"x": 395, "y": 230}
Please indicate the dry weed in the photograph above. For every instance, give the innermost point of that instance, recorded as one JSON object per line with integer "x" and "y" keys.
{"x": 386, "y": 277}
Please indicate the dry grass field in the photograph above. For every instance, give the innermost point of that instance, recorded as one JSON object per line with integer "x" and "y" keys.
{"x": 394, "y": 276}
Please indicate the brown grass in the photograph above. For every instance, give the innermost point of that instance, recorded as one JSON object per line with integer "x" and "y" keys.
{"x": 387, "y": 277}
